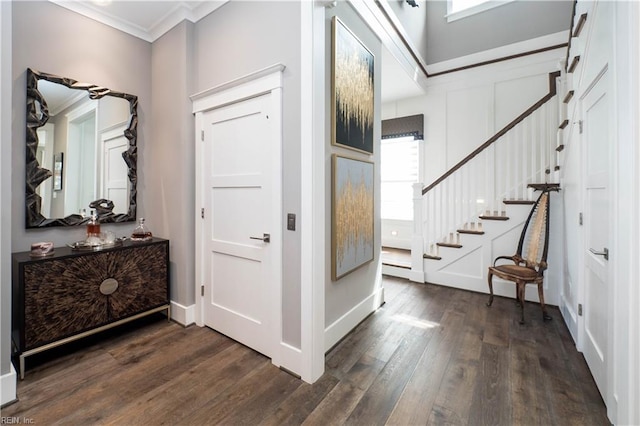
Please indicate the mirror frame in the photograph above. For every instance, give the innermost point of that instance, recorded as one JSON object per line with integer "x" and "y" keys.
{"x": 35, "y": 174}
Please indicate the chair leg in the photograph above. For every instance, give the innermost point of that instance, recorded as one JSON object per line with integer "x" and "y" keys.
{"x": 520, "y": 291}
{"x": 490, "y": 280}
{"x": 545, "y": 315}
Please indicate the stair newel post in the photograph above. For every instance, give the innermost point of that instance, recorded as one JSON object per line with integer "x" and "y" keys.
{"x": 417, "y": 239}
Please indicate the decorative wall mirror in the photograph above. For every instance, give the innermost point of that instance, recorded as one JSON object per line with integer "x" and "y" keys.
{"x": 81, "y": 152}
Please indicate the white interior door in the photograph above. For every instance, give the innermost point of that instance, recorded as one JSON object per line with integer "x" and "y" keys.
{"x": 241, "y": 180}
{"x": 115, "y": 172}
{"x": 595, "y": 113}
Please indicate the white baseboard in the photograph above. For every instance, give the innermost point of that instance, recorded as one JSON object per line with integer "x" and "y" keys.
{"x": 417, "y": 276}
{"x": 570, "y": 318}
{"x": 8, "y": 384}
{"x": 290, "y": 358}
{"x": 343, "y": 325}
{"x": 184, "y": 315}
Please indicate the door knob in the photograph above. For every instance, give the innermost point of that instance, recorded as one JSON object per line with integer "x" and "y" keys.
{"x": 604, "y": 253}
{"x": 266, "y": 238}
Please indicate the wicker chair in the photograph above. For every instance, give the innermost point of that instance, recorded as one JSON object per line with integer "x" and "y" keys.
{"x": 528, "y": 266}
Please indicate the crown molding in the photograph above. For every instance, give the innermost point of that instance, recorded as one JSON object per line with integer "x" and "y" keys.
{"x": 182, "y": 11}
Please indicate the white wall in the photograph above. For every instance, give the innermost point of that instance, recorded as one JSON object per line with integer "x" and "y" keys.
{"x": 52, "y": 39}
{"x": 170, "y": 164}
{"x": 610, "y": 41}
{"x": 350, "y": 299}
{"x": 463, "y": 109}
{"x": 627, "y": 316}
{"x": 7, "y": 372}
{"x": 240, "y": 38}
{"x": 510, "y": 23}
{"x": 396, "y": 233}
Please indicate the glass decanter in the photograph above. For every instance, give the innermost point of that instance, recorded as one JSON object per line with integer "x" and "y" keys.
{"x": 141, "y": 232}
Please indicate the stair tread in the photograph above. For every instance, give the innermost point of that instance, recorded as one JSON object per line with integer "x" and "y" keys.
{"x": 525, "y": 202}
{"x": 470, "y": 231}
{"x": 490, "y": 217}
{"x": 541, "y": 186}
{"x": 451, "y": 245}
{"x": 568, "y": 97}
{"x": 431, "y": 257}
{"x": 396, "y": 265}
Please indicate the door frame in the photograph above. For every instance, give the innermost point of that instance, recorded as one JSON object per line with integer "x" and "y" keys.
{"x": 266, "y": 81}
{"x": 113, "y": 132}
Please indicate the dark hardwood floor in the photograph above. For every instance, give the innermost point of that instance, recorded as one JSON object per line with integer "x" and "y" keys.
{"x": 430, "y": 355}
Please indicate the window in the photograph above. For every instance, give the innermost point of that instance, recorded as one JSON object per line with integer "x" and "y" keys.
{"x": 400, "y": 158}
{"x": 458, "y": 9}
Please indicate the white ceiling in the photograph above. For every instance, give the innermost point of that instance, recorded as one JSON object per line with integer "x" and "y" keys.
{"x": 149, "y": 20}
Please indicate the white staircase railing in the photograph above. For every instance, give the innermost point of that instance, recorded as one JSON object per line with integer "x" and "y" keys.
{"x": 523, "y": 152}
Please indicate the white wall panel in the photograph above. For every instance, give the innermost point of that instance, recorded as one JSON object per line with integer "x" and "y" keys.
{"x": 528, "y": 90}
{"x": 468, "y": 121}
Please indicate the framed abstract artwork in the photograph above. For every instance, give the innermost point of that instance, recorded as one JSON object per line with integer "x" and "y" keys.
{"x": 352, "y": 230}
{"x": 352, "y": 91}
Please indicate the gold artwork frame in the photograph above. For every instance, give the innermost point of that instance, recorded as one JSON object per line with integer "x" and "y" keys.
{"x": 352, "y": 214}
{"x": 352, "y": 94}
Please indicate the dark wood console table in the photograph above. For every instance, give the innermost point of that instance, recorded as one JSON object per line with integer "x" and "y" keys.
{"x": 72, "y": 294}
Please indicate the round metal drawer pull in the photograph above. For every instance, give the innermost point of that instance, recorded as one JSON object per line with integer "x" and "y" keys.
{"x": 108, "y": 286}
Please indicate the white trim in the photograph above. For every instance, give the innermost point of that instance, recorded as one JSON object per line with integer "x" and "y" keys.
{"x": 239, "y": 89}
{"x": 570, "y": 317}
{"x": 312, "y": 184}
{"x": 374, "y": 17}
{"x": 199, "y": 196}
{"x": 268, "y": 80}
{"x": 8, "y": 386}
{"x": 82, "y": 109}
{"x": 8, "y": 379}
{"x": 183, "y": 315}
{"x": 291, "y": 358}
{"x": 179, "y": 13}
{"x": 67, "y": 103}
{"x": 500, "y": 52}
{"x": 347, "y": 322}
{"x": 398, "y": 271}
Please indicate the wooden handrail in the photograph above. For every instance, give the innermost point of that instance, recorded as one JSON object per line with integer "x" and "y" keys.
{"x": 511, "y": 125}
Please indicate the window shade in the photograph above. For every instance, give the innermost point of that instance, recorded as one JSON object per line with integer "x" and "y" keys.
{"x": 412, "y": 125}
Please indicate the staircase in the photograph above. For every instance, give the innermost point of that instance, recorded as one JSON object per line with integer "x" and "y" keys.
{"x": 474, "y": 212}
